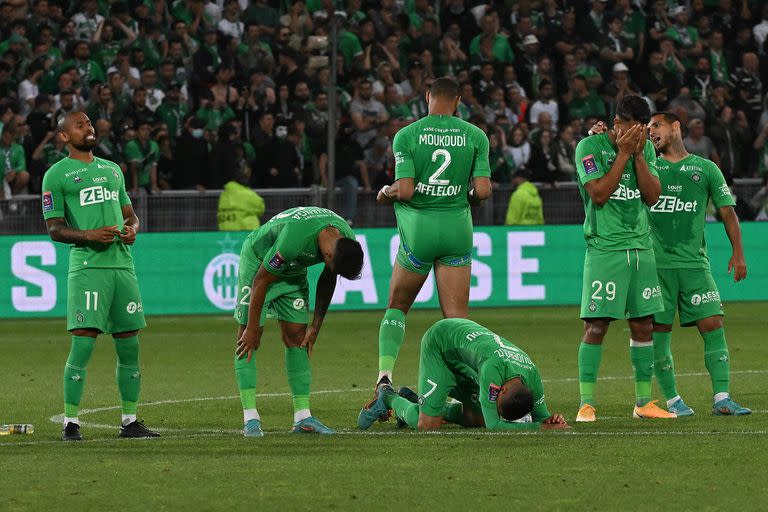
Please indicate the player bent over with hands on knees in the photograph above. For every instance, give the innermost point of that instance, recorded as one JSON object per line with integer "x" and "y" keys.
{"x": 494, "y": 381}
{"x": 85, "y": 204}
{"x": 678, "y": 219}
{"x": 441, "y": 167}
{"x": 272, "y": 283}
{"x": 618, "y": 181}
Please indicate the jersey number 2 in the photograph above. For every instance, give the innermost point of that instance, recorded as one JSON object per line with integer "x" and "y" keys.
{"x": 435, "y": 178}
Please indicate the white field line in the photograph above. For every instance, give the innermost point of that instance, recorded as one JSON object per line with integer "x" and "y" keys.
{"x": 446, "y": 433}
{"x": 58, "y": 418}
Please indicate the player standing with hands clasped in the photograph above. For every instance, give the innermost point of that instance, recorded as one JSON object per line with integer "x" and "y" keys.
{"x": 85, "y": 204}
{"x": 441, "y": 167}
{"x": 618, "y": 181}
{"x": 272, "y": 283}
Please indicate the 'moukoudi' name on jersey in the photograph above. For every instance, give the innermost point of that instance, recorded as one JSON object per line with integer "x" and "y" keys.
{"x": 442, "y": 154}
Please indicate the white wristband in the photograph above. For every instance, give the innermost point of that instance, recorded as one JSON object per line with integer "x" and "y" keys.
{"x": 384, "y": 191}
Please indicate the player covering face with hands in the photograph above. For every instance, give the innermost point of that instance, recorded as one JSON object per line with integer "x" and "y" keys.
{"x": 618, "y": 181}
{"x": 272, "y": 283}
{"x": 492, "y": 381}
{"x": 678, "y": 219}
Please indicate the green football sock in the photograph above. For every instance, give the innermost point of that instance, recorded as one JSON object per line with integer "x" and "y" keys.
{"x": 641, "y": 353}
{"x": 404, "y": 409}
{"x": 245, "y": 373}
{"x": 664, "y": 364}
{"x": 391, "y": 335}
{"x": 589, "y": 364}
{"x": 299, "y": 378}
{"x": 717, "y": 360}
{"x": 74, "y": 373}
{"x": 128, "y": 374}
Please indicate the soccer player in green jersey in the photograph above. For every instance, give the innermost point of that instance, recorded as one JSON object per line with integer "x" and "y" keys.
{"x": 493, "y": 381}
{"x": 441, "y": 167}
{"x": 85, "y": 204}
{"x": 688, "y": 182}
{"x": 272, "y": 283}
{"x": 618, "y": 181}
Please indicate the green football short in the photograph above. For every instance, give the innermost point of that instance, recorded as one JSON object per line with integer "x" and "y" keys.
{"x": 437, "y": 382}
{"x": 287, "y": 299}
{"x": 427, "y": 237}
{"x": 106, "y": 299}
{"x": 691, "y": 290}
{"x": 620, "y": 284}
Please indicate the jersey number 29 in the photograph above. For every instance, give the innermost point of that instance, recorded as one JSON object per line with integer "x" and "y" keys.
{"x": 435, "y": 178}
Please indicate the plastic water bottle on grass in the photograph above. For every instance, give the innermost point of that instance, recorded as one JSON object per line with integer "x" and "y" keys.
{"x": 17, "y": 428}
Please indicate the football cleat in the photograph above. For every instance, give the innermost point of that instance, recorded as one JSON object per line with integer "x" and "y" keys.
{"x": 680, "y": 408}
{"x": 652, "y": 411}
{"x": 586, "y": 413}
{"x": 384, "y": 381}
{"x": 376, "y": 408}
{"x": 252, "y": 428}
{"x": 71, "y": 432}
{"x": 727, "y": 407}
{"x": 311, "y": 425}
{"x": 136, "y": 430}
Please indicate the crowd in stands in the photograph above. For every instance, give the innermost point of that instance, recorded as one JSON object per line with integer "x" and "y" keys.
{"x": 194, "y": 94}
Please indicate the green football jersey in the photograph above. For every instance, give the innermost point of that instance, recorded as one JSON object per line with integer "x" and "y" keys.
{"x": 88, "y": 196}
{"x": 622, "y": 222}
{"x": 145, "y": 158}
{"x": 287, "y": 244}
{"x": 486, "y": 359}
{"x": 13, "y": 158}
{"x": 442, "y": 154}
{"x": 678, "y": 218}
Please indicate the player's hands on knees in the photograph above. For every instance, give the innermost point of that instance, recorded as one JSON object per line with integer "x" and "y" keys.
{"x": 310, "y": 337}
{"x": 598, "y": 128}
{"x": 738, "y": 266}
{"x": 129, "y": 237}
{"x": 555, "y": 422}
{"x": 105, "y": 235}
{"x": 248, "y": 343}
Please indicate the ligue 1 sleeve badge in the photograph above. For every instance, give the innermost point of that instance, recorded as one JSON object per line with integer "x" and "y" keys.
{"x": 47, "y": 201}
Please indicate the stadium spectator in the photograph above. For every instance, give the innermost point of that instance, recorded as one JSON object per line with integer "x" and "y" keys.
{"x": 525, "y": 206}
{"x": 351, "y": 171}
{"x": 240, "y": 208}
{"x": 15, "y": 174}
{"x": 699, "y": 144}
{"x": 191, "y": 157}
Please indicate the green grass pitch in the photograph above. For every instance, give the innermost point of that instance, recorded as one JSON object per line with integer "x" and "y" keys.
{"x": 203, "y": 463}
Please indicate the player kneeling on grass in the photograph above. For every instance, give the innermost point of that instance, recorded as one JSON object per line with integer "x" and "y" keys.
{"x": 272, "y": 283}
{"x": 85, "y": 204}
{"x": 494, "y": 382}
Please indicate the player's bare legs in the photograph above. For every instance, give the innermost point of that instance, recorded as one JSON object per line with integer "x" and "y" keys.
{"x": 299, "y": 373}
{"x": 403, "y": 289}
{"x": 453, "y": 290}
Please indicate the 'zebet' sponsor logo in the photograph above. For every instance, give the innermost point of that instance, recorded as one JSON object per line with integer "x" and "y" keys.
{"x": 624, "y": 193}
{"x": 95, "y": 195}
{"x": 672, "y": 204}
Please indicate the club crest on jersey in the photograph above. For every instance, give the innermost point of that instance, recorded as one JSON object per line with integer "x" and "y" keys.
{"x": 589, "y": 164}
{"x": 592, "y": 307}
{"x": 493, "y": 392}
{"x": 47, "y": 201}
{"x": 696, "y": 177}
{"x": 277, "y": 261}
